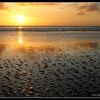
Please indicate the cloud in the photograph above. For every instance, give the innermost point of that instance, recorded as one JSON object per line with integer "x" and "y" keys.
{"x": 3, "y": 6}
{"x": 81, "y": 13}
{"x": 6, "y": 6}
{"x": 85, "y": 8}
{"x": 81, "y": 8}
{"x": 38, "y": 4}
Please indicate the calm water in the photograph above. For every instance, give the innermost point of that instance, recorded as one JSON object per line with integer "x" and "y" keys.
{"x": 61, "y": 39}
{"x": 50, "y": 63}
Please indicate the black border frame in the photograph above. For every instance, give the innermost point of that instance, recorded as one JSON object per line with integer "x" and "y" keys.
{"x": 49, "y": 1}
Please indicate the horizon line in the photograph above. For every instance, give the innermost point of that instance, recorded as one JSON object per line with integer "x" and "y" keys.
{"x": 49, "y": 26}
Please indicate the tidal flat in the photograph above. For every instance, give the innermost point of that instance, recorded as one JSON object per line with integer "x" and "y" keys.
{"x": 49, "y": 64}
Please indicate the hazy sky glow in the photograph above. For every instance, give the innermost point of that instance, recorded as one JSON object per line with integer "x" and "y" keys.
{"x": 50, "y": 13}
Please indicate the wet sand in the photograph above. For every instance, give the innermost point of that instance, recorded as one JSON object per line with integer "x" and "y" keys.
{"x": 50, "y": 71}
{"x": 41, "y": 73}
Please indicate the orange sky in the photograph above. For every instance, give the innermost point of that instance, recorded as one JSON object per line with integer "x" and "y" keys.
{"x": 50, "y": 13}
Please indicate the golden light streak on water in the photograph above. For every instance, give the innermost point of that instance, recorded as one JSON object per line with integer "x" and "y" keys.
{"x": 20, "y": 37}
{"x": 20, "y": 27}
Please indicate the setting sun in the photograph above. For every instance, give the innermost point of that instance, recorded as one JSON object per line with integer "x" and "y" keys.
{"x": 20, "y": 18}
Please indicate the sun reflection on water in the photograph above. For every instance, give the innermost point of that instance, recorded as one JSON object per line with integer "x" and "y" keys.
{"x": 20, "y": 38}
{"x": 20, "y": 27}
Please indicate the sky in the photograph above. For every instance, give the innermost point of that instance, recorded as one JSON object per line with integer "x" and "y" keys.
{"x": 50, "y": 13}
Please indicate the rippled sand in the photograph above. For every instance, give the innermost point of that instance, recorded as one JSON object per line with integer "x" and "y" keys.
{"x": 44, "y": 70}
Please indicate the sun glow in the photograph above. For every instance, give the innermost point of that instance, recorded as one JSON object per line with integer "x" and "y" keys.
{"x": 20, "y": 18}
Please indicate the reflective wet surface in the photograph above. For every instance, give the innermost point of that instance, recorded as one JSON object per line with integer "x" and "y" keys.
{"x": 49, "y": 64}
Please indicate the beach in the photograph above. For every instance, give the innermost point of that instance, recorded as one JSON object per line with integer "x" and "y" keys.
{"x": 49, "y": 64}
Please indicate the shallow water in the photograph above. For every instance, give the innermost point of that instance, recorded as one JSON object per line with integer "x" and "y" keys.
{"x": 62, "y": 63}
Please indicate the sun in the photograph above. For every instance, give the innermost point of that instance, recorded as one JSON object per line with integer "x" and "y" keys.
{"x": 20, "y": 18}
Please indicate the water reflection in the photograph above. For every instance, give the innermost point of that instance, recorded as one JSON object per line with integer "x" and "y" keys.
{"x": 20, "y": 27}
{"x": 27, "y": 45}
{"x": 20, "y": 37}
{"x": 2, "y": 47}
{"x": 87, "y": 45}
{"x": 30, "y": 41}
